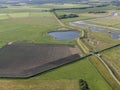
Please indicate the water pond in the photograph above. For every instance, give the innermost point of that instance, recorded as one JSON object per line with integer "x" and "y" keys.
{"x": 65, "y": 34}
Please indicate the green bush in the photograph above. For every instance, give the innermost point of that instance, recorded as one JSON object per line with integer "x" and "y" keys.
{"x": 83, "y": 85}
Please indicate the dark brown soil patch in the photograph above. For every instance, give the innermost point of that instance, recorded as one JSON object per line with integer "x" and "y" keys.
{"x": 27, "y": 59}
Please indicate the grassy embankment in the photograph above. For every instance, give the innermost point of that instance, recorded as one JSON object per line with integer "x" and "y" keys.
{"x": 112, "y": 56}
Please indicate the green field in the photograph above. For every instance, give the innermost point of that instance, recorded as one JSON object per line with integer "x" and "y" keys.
{"x": 110, "y": 7}
{"x": 103, "y": 39}
{"x": 105, "y": 73}
{"x": 111, "y": 21}
{"x": 113, "y": 57}
{"x": 33, "y": 28}
{"x": 66, "y": 5}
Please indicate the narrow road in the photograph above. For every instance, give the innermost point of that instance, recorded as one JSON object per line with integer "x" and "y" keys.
{"x": 59, "y": 20}
{"x": 83, "y": 47}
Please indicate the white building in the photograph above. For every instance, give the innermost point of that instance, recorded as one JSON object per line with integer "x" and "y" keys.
{"x": 114, "y": 14}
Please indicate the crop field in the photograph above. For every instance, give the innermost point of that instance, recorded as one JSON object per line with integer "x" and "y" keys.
{"x": 27, "y": 59}
{"x": 14, "y": 9}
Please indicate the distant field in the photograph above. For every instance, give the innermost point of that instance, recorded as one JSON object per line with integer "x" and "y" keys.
{"x": 23, "y": 14}
{"x": 110, "y": 21}
{"x": 110, "y": 7}
{"x": 82, "y": 16}
{"x": 16, "y": 9}
{"x": 69, "y": 5}
{"x": 33, "y": 28}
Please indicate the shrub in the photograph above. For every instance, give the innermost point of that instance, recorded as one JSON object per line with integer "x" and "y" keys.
{"x": 83, "y": 85}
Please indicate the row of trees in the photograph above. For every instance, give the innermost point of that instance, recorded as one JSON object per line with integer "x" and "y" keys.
{"x": 116, "y": 3}
{"x": 67, "y": 16}
{"x": 97, "y": 12}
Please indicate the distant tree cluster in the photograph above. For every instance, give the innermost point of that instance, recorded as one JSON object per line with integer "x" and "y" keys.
{"x": 67, "y": 16}
{"x": 103, "y": 5}
{"x": 116, "y": 3}
{"x": 83, "y": 85}
{"x": 97, "y": 12}
{"x": 3, "y": 7}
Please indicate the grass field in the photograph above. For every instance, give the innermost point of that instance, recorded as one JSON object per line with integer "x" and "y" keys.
{"x": 82, "y": 16}
{"x": 104, "y": 40}
{"x": 39, "y": 85}
{"x": 31, "y": 28}
{"x": 105, "y": 73}
{"x": 113, "y": 57}
{"x": 110, "y": 7}
{"x": 110, "y": 21}
{"x": 66, "y": 5}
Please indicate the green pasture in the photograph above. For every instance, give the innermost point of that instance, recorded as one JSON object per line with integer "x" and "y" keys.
{"x": 104, "y": 40}
{"x": 110, "y": 21}
{"x": 110, "y": 7}
{"x": 113, "y": 57}
{"x": 66, "y": 5}
{"x": 31, "y": 28}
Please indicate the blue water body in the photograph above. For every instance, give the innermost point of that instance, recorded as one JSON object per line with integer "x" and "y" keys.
{"x": 65, "y": 35}
{"x": 94, "y": 29}
{"x": 115, "y": 35}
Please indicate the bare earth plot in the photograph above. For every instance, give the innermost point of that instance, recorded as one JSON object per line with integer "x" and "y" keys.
{"x": 28, "y": 59}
